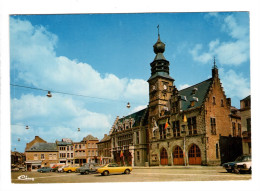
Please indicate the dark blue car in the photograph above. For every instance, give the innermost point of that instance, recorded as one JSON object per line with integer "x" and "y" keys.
{"x": 44, "y": 169}
{"x": 229, "y": 166}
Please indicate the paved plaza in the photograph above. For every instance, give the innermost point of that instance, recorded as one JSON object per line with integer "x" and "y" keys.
{"x": 139, "y": 174}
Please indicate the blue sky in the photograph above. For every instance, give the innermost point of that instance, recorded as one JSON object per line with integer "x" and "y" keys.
{"x": 108, "y": 56}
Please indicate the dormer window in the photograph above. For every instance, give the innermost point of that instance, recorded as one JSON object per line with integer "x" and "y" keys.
{"x": 183, "y": 98}
{"x": 194, "y": 90}
{"x": 193, "y": 100}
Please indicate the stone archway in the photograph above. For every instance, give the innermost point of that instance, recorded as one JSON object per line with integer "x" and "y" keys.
{"x": 194, "y": 155}
{"x": 164, "y": 157}
{"x": 178, "y": 156}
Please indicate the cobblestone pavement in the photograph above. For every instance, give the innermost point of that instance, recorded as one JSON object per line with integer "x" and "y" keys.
{"x": 139, "y": 174}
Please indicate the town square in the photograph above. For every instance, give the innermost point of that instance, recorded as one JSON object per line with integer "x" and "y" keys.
{"x": 119, "y": 99}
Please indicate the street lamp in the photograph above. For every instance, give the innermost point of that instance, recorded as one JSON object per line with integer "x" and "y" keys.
{"x": 49, "y": 94}
{"x": 128, "y": 105}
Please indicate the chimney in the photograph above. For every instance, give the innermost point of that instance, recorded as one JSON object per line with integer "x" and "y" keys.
{"x": 229, "y": 101}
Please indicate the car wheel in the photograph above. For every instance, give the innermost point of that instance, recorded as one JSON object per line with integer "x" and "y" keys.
{"x": 86, "y": 172}
{"x": 82, "y": 173}
{"x": 69, "y": 171}
{"x": 106, "y": 173}
{"x": 229, "y": 170}
{"x": 127, "y": 171}
{"x": 250, "y": 170}
{"x": 41, "y": 171}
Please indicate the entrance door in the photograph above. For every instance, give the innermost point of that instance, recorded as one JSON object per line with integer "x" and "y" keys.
{"x": 194, "y": 155}
{"x": 178, "y": 156}
{"x": 164, "y": 157}
{"x": 129, "y": 159}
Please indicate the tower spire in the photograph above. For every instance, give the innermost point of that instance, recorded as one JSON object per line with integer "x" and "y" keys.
{"x": 159, "y": 66}
{"x": 158, "y": 27}
{"x": 214, "y": 69}
{"x": 214, "y": 64}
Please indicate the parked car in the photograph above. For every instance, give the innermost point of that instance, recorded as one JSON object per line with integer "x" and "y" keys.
{"x": 243, "y": 167}
{"x": 70, "y": 169}
{"x": 16, "y": 169}
{"x": 229, "y": 166}
{"x": 87, "y": 168}
{"x": 55, "y": 168}
{"x": 60, "y": 169}
{"x": 44, "y": 169}
{"x": 114, "y": 168}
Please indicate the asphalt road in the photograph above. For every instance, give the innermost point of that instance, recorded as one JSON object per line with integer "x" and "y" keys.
{"x": 137, "y": 175}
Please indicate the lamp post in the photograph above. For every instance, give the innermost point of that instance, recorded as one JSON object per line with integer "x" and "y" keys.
{"x": 184, "y": 138}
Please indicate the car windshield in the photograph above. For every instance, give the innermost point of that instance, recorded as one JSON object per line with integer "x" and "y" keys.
{"x": 246, "y": 158}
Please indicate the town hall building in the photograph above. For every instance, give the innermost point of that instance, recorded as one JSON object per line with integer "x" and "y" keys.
{"x": 178, "y": 127}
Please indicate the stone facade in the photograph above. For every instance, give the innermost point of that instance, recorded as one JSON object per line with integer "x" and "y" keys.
{"x": 129, "y": 139}
{"x": 178, "y": 127}
{"x": 245, "y": 111}
{"x": 104, "y": 150}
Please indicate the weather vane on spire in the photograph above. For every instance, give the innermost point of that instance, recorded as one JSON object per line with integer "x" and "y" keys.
{"x": 158, "y": 27}
{"x": 214, "y": 66}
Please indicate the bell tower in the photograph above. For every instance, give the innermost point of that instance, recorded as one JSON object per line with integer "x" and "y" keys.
{"x": 160, "y": 83}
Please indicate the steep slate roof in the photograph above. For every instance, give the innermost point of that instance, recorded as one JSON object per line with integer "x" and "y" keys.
{"x": 201, "y": 93}
{"x": 247, "y": 98}
{"x": 160, "y": 74}
{"x": 137, "y": 116}
{"x": 43, "y": 147}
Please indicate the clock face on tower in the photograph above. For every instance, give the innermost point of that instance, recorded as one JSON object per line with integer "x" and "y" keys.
{"x": 164, "y": 87}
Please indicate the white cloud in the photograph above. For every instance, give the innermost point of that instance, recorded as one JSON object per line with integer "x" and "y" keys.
{"x": 235, "y": 85}
{"x": 34, "y": 60}
{"x": 56, "y": 117}
{"x": 183, "y": 86}
{"x": 33, "y": 56}
{"x": 232, "y": 52}
{"x": 212, "y": 14}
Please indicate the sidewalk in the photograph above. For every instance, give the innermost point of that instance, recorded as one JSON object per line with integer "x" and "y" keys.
{"x": 177, "y": 167}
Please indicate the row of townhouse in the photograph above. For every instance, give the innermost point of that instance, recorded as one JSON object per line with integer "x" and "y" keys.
{"x": 39, "y": 153}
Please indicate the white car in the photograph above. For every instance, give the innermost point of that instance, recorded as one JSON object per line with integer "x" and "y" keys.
{"x": 60, "y": 169}
{"x": 242, "y": 167}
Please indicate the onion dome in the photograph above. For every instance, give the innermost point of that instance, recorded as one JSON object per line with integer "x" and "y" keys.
{"x": 159, "y": 47}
